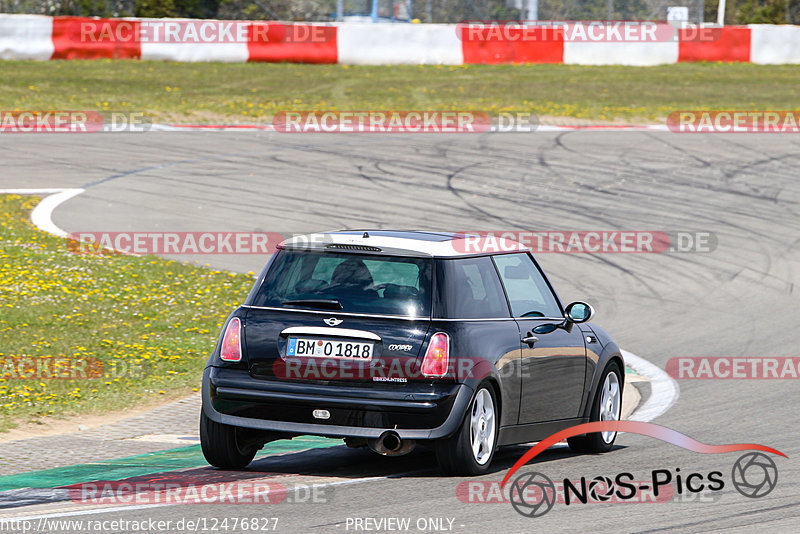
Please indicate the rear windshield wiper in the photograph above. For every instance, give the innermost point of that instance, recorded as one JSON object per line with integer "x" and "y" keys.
{"x": 326, "y": 304}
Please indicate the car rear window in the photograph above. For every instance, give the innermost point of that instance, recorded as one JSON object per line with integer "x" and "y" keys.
{"x": 361, "y": 283}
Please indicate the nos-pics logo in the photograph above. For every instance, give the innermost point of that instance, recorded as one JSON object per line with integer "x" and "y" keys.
{"x": 533, "y": 494}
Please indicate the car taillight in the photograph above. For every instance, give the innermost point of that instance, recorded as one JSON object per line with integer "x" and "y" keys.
{"x": 435, "y": 362}
{"x": 231, "y": 350}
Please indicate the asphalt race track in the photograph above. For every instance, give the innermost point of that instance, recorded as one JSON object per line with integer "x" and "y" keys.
{"x": 738, "y": 300}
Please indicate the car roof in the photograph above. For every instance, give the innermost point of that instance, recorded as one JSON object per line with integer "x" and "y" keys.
{"x": 405, "y": 243}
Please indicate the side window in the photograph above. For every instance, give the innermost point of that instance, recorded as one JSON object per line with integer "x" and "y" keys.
{"x": 469, "y": 289}
{"x": 528, "y": 292}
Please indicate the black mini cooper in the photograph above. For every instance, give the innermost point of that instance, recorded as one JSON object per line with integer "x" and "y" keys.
{"x": 390, "y": 338}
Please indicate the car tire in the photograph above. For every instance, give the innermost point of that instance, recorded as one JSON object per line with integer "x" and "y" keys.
{"x": 607, "y": 406}
{"x": 470, "y": 450}
{"x": 221, "y": 445}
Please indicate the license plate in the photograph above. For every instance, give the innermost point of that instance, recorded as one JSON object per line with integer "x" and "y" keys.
{"x": 326, "y": 348}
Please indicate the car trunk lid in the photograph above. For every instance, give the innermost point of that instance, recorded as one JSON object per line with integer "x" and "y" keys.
{"x": 299, "y": 345}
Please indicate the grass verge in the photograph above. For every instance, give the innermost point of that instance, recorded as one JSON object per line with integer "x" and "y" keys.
{"x": 99, "y": 333}
{"x": 254, "y": 92}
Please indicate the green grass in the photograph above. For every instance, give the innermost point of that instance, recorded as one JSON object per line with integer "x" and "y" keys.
{"x": 254, "y": 92}
{"x": 145, "y": 325}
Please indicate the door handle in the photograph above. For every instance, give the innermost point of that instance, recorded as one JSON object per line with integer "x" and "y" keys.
{"x": 530, "y": 339}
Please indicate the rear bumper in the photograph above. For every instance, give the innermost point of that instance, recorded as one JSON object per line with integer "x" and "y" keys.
{"x": 414, "y": 410}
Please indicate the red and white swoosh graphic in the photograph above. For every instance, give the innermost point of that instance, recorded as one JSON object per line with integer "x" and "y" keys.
{"x": 635, "y": 427}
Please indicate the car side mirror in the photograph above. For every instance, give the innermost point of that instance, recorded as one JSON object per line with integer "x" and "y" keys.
{"x": 579, "y": 312}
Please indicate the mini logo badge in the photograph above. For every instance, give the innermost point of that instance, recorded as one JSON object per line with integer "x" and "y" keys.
{"x": 333, "y": 321}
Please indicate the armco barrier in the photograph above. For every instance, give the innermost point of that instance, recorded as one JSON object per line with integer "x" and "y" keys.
{"x": 42, "y": 38}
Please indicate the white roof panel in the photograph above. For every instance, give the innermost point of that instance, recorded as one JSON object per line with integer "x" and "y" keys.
{"x": 434, "y": 244}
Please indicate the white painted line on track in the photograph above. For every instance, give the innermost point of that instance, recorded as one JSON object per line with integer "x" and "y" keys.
{"x": 41, "y": 216}
{"x": 664, "y": 391}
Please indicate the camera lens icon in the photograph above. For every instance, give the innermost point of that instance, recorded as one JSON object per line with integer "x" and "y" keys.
{"x": 754, "y": 475}
{"x": 532, "y": 494}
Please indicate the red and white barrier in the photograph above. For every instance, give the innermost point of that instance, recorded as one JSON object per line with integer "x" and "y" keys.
{"x": 113, "y": 38}
{"x": 42, "y": 38}
{"x": 26, "y": 37}
{"x": 293, "y": 43}
{"x": 731, "y": 43}
{"x": 393, "y": 44}
{"x": 771, "y": 44}
{"x": 513, "y": 45}
{"x": 611, "y": 53}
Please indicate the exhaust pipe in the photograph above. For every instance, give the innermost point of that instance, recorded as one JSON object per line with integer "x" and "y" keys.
{"x": 390, "y": 444}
